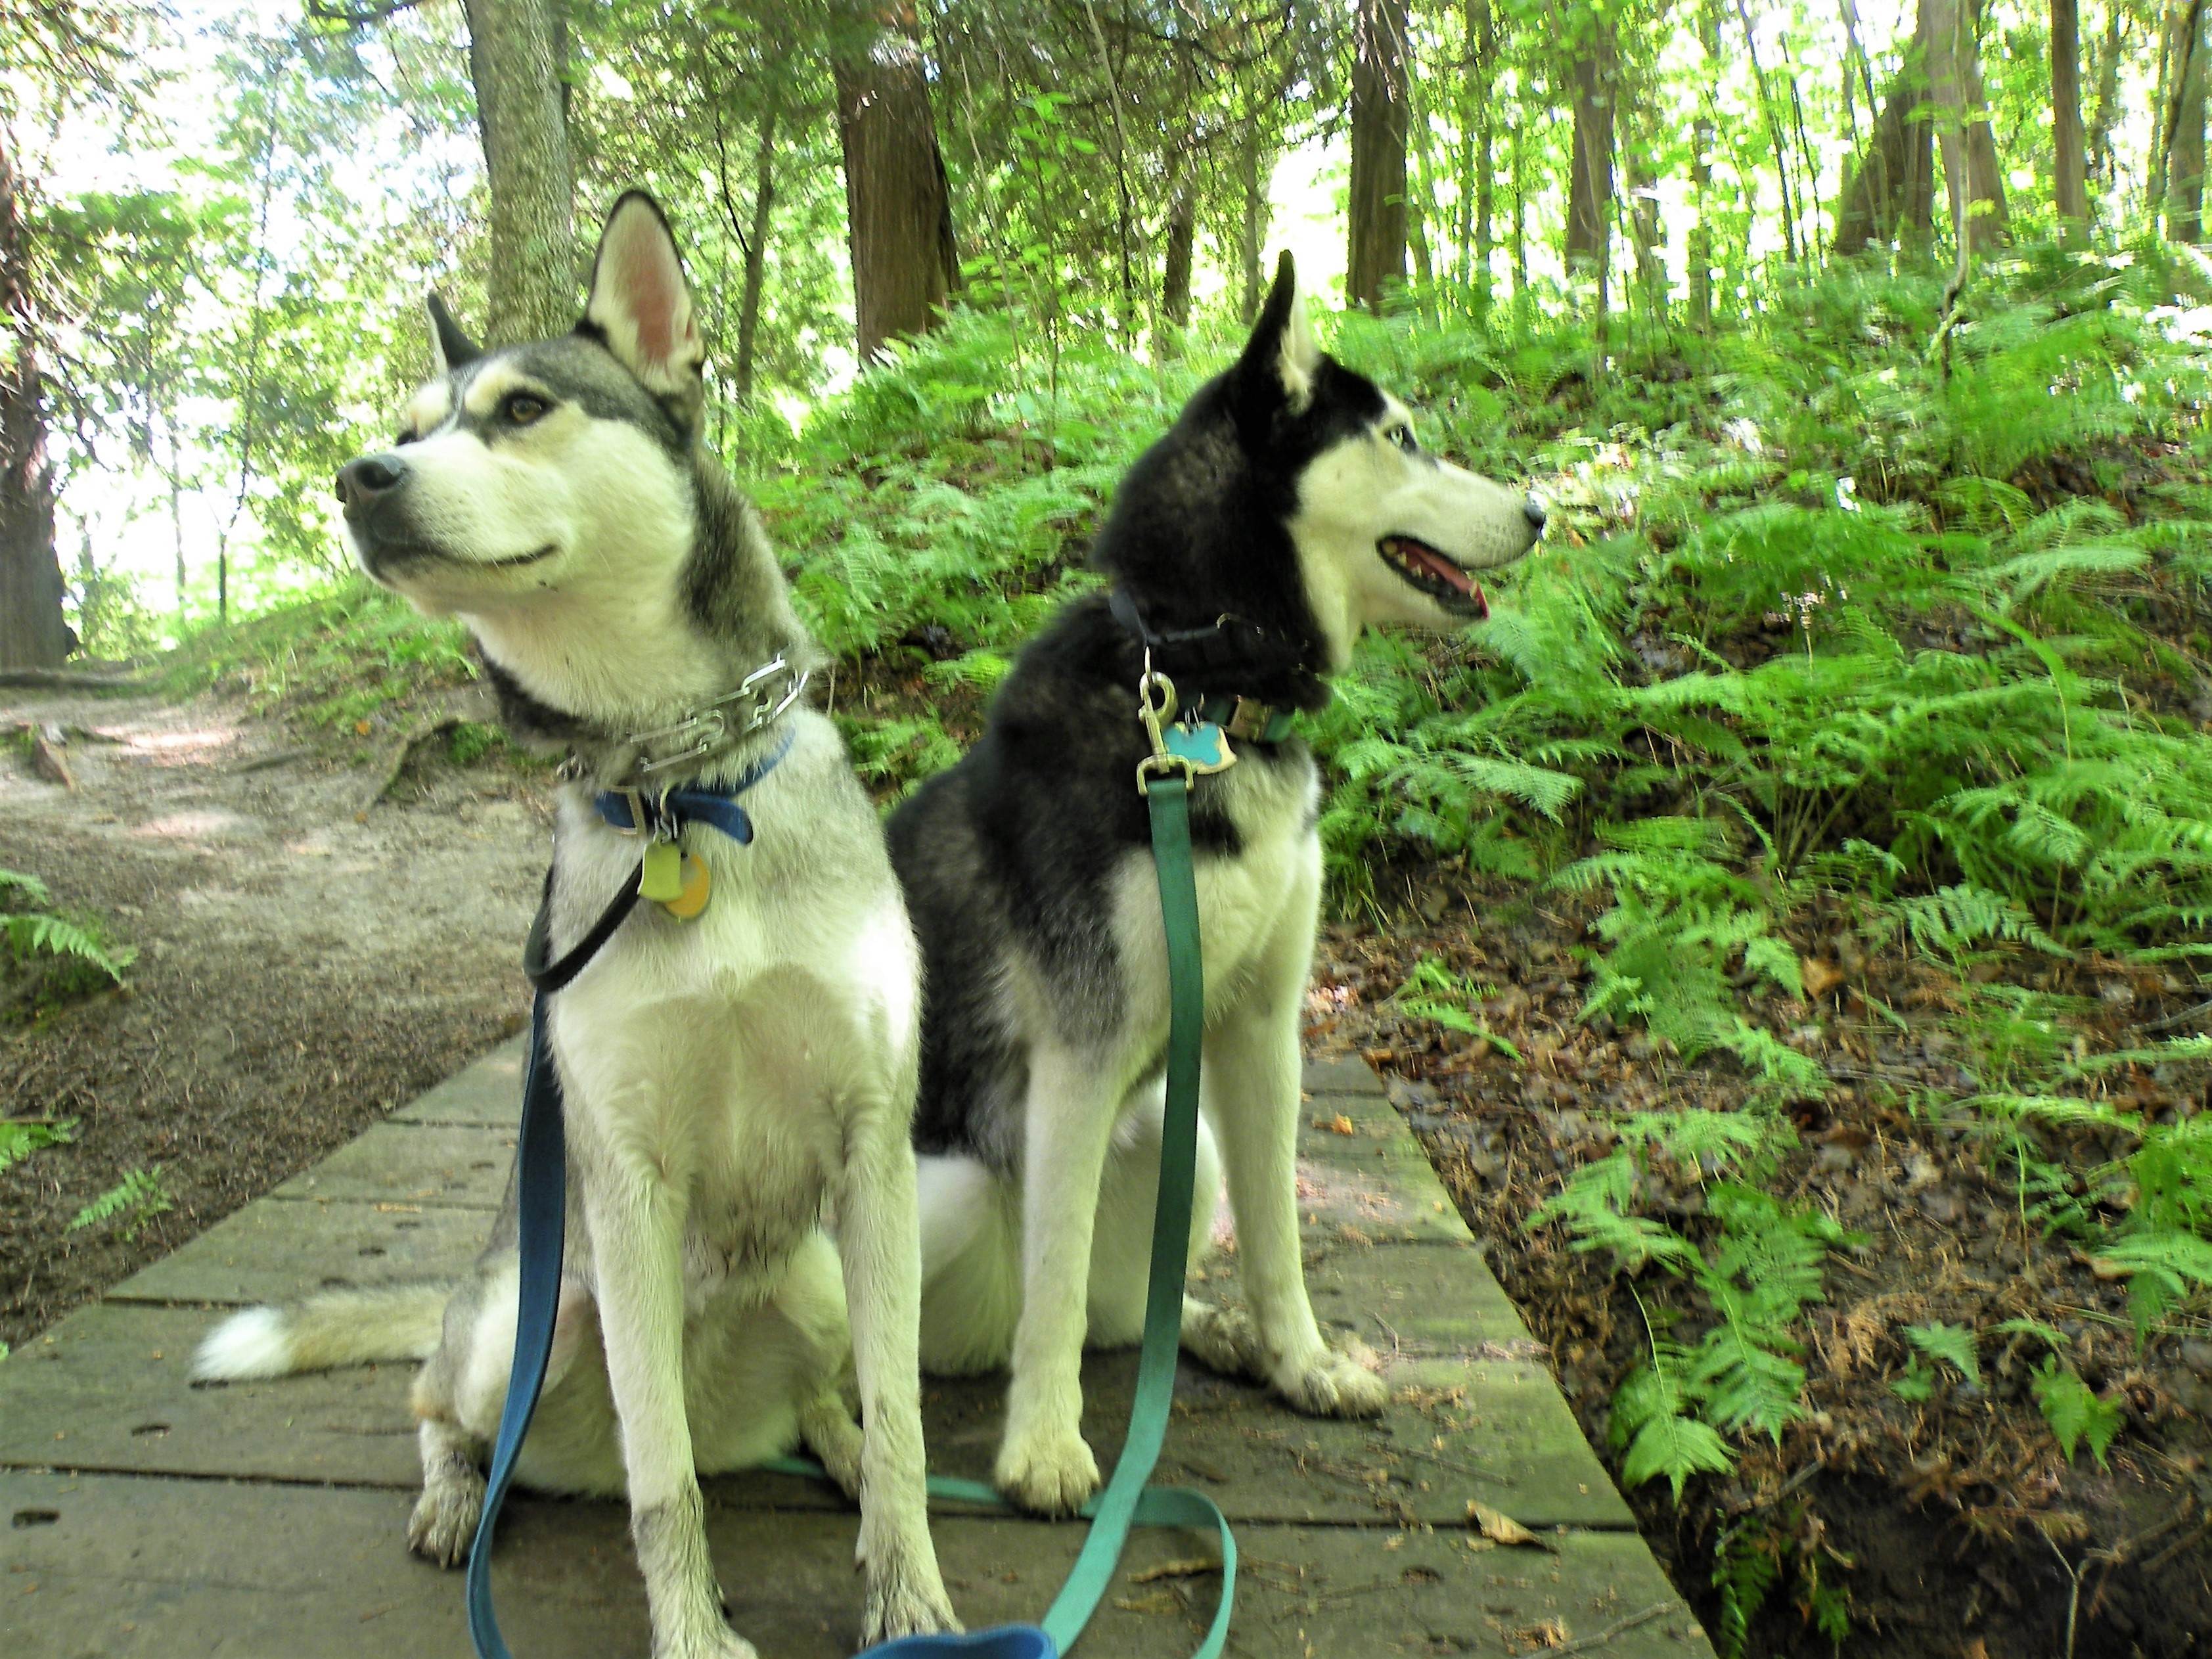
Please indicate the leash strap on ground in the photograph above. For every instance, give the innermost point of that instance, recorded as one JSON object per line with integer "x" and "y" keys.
{"x": 541, "y": 1198}
{"x": 1127, "y": 1501}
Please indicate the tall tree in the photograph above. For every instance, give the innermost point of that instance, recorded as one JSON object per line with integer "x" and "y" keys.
{"x": 1891, "y": 193}
{"x": 1380, "y": 119}
{"x": 898, "y": 203}
{"x": 1972, "y": 174}
{"x": 1589, "y": 185}
{"x": 2069, "y": 163}
{"x": 1701, "y": 167}
{"x": 1478, "y": 191}
{"x": 515, "y": 53}
{"x": 32, "y": 633}
{"x": 2183, "y": 149}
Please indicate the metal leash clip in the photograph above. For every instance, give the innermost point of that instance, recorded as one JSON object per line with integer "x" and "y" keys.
{"x": 1191, "y": 751}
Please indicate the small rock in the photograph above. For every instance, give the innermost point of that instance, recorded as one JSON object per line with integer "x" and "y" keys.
{"x": 2197, "y": 1356}
{"x": 1920, "y": 1171}
{"x": 1834, "y": 1160}
{"x": 1939, "y": 1206}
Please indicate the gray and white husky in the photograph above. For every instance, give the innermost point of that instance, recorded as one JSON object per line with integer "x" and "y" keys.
{"x": 1289, "y": 508}
{"x": 727, "y": 1079}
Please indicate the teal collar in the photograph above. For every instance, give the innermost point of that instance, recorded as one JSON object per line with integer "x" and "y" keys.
{"x": 1248, "y": 720}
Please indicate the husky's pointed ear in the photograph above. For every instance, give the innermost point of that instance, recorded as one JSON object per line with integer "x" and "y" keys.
{"x": 640, "y": 305}
{"x": 450, "y": 349}
{"x": 1277, "y": 369}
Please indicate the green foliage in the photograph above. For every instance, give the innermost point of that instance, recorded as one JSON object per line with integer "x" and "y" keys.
{"x": 18, "y": 1140}
{"x": 131, "y": 1204}
{"x": 1432, "y": 992}
{"x": 2073, "y": 1410}
{"x": 1952, "y": 1343}
{"x": 78, "y": 956}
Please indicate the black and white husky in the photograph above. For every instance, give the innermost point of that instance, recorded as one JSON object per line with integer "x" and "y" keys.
{"x": 1289, "y": 508}
{"x": 726, "y": 1078}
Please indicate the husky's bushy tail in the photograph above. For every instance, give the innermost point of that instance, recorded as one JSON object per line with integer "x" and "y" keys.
{"x": 325, "y": 1331}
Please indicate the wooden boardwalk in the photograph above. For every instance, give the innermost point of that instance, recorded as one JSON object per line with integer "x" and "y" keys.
{"x": 265, "y": 1521}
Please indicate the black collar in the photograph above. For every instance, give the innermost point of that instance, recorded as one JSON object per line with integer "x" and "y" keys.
{"x": 1231, "y": 657}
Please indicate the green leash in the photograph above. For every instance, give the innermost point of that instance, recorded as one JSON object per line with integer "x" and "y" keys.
{"x": 1180, "y": 754}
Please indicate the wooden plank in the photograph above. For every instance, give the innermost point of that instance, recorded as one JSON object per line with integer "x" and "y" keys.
{"x": 271, "y": 1252}
{"x": 488, "y": 1093}
{"x": 125, "y": 1567}
{"x": 450, "y": 1166}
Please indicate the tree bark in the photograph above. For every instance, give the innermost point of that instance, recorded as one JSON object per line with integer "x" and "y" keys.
{"x": 1253, "y": 220}
{"x": 757, "y": 253}
{"x": 898, "y": 202}
{"x": 1182, "y": 234}
{"x": 1971, "y": 172}
{"x": 1891, "y": 195}
{"x": 1701, "y": 169}
{"x": 1481, "y": 79}
{"x": 1379, "y": 124}
{"x": 515, "y": 62}
{"x": 2100, "y": 162}
{"x": 32, "y": 631}
{"x": 2070, "y": 164}
{"x": 2185, "y": 147}
{"x": 1589, "y": 188}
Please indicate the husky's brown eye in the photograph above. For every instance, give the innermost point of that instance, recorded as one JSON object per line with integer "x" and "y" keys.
{"x": 522, "y": 407}
{"x": 1403, "y": 437}
{"x": 406, "y": 437}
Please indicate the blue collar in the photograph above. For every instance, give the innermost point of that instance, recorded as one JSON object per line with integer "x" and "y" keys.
{"x": 662, "y": 817}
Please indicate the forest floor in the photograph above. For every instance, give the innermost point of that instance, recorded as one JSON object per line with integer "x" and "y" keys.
{"x": 306, "y": 960}
{"x": 303, "y": 965}
{"x": 1952, "y": 1522}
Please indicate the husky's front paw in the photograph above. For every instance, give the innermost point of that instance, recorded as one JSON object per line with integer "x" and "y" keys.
{"x": 719, "y": 1642}
{"x": 908, "y": 1603}
{"x": 1050, "y": 1472}
{"x": 1331, "y": 1384}
{"x": 444, "y": 1524}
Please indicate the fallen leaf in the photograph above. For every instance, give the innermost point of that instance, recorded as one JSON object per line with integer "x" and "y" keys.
{"x": 1819, "y": 977}
{"x": 1500, "y": 1527}
{"x": 1546, "y": 1633}
{"x": 1338, "y": 1125}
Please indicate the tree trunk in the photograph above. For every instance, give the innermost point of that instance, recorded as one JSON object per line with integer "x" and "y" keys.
{"x": 1970, "y": 150}
{"x": 898, "y": 203}
{"x": 1379, "y": 123}
{"x": 32, "y": 632}
{"x": 1645, "y": 234}
{"x": 1481, "y": 79}
{"x": 1891, "y": 196}
{"x": 177, "y": 506}
{"x": 2184, "y": 148}
{"x": 757, "y": 253}
{"x": 1701, "y": 169}
{"x": 515, "y": 59}
{"x": 1183, "y": 233}
{"x": 1589, "y": 189}
{"x": 2100, "y": 163}
{"x": 2069, "y": 166}
{"x": 1521, "y": 298}
{"x": 1774, "y": 134}
{"x": 1254, "y": 219}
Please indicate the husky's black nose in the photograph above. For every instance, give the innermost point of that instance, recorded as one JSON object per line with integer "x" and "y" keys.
{"x": 1533, "y": 510}
{"x": 362, "y": 483}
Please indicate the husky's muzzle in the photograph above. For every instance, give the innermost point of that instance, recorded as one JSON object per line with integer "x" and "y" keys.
{"x": 373, "y": 490}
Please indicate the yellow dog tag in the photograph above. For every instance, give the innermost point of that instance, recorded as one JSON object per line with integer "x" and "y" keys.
{"x": 662, "y": 879}
{"x": 692, "y": 900}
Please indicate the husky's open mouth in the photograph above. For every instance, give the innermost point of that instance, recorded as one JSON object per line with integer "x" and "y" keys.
{"x": 1424, "y": 568}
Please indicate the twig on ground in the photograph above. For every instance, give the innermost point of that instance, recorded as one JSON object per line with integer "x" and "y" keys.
{"x": 1617, "y": 1628}
{"x": 281, "y": 758}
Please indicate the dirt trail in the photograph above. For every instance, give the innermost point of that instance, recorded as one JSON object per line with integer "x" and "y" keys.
{"x": 301, "y": 969}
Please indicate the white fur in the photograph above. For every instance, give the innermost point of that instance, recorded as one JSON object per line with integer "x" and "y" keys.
{"x": 246, "y": 1346}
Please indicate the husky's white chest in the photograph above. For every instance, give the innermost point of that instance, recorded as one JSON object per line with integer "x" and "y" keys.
{"x": 1253, "y": 904}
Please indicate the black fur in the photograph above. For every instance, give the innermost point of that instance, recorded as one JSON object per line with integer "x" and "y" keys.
{"x": 1022, "y": 839}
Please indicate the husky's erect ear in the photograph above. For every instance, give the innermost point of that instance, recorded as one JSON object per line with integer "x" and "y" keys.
{"x": 1277, "y": 369}
{"x": 449, "y": 348}
{"x": 640, "y": 305}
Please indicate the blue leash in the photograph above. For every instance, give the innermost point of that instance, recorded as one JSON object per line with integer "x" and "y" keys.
{"x": 1127, "y": 1500}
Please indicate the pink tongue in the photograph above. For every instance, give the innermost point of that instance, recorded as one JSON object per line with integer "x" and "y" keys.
{"x": 1439, "y": 567}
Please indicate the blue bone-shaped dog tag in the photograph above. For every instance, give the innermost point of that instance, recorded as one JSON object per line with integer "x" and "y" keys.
{"x": 1204, "y": 745}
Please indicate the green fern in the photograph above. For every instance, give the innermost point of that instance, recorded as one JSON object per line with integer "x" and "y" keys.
{"x": 134, "y": 1201}
{"x": 2073, "y": 1410}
